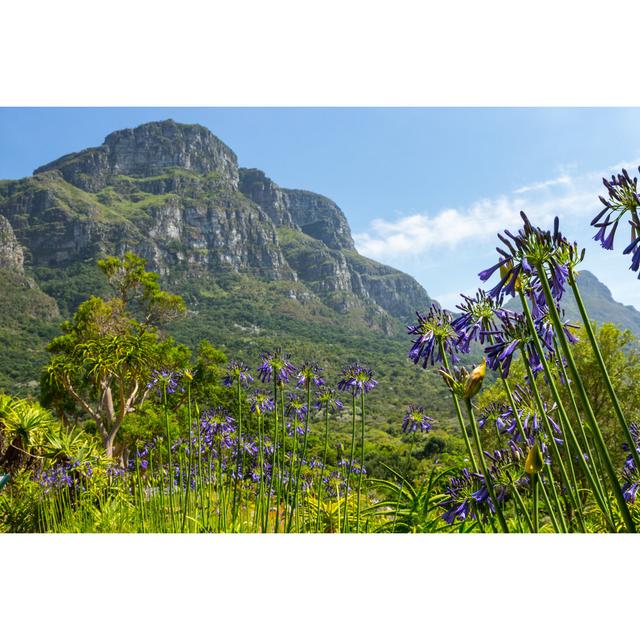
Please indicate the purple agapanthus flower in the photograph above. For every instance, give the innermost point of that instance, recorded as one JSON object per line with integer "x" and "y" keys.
{"x": 357, "y": 380}
{"x": 237, "y": 372}
{"x": 275, "y": 364}
{"x": 435, "y": 333}
{"x": 328, "y": 399}
{"x": 169, "y": 380}
{"x": 512, "y": 336}
{"x": 308, "y": 374}
{"x": 416, "y": 419}
{"x": 262, "y": 402}
{"x": 630, "y": 473}
{"x": 477, "y": 319}
{"x": 526, "y": 254}
{"x": 622, "y": 197}
{"x": 296, "y": 406}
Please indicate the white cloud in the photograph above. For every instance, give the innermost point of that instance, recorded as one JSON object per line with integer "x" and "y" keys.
{"x": 411, "y": 235}
{"x": 543, "y": 185}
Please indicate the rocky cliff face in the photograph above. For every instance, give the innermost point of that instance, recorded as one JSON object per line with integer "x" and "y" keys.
{"x": 148, "y": 150}
{"x": 11, "y": 254}
{"x": 174, "y": 193}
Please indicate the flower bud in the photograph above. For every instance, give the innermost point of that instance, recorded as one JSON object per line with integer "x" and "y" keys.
{"x": 474, "y": 380}
{"x": 534, "y": 462}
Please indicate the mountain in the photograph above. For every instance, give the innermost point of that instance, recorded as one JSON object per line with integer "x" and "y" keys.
{"x": 175, "y": 194}
{"x": 259, "y": 265}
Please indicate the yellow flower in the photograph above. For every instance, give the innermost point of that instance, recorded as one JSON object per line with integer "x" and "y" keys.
{"x": 534, "y": 462}
{"x": 474, "y": 380}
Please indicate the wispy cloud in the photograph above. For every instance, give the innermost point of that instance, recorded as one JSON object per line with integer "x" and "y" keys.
{"x": 413, "y": 234}
{"x": 536, "y": 186}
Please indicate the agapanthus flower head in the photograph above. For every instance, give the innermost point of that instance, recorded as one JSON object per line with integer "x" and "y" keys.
{"x": 477, "y": 319}
{"x": 275, "y": 364}
{"x": 217, "y": 421}
{"x": 416, "y": 419}
{"x": 237, "y": 372}
{"x": 527, "y": 413}
{"x": 468, "y": 497}
{"x": 512, "y": 336}
{"x": 163, "y": 380}
{"x": 295, "y": 426}
{"x": 525, "y": 254}
{"x": 262, "y": 402}
{"x": 296, "y": 406}
{"x": 308, "y": 374}
{"x": 357, "y": 379}
{"x": 327, "y": 398}
{"x": 435, "y": 333}
{"x": 630, "y": 473}
{"x": 493, "y": 415}
{"x": 622, "y": 198}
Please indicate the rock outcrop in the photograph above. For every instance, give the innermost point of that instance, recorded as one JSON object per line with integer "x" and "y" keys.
{"x": 11, "y": 254}
{"x": 174, "y": 194}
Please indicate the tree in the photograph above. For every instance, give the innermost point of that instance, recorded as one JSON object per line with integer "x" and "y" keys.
{"x": 106, "y": 353}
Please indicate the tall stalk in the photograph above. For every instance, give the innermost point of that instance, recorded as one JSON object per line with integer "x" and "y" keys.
{"x": 239, "y": 457}
{"x": 557, "y": 325}
{"x": 600, "y": 499}
{"x": 603, "y": 370}
{"x": 361, "y": 461}
{"x": 166, "y": 422}
{"x": 190, "y": 468}
{"x": 456, "y": 404}
{"x": 304, "y": 453}
{"x": 483, "y": 465}
{"x": 345, "y": 525}
{"x": 324, "y": 463}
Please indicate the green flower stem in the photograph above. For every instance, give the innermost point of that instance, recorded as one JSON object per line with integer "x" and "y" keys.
{"x": 564, "y": 419}
{"x": 324, "y": 463}
{"x": 284, "y": 488}
{"x": 140, "y": 493}
{"x": 240, "y": 447}
{"x": 598, "y": 466}
{"x": 275, "y": 472}
{"x": 557, "y": 526}
{"x": 345, "y": 524}
{"x": 361, "y": 460}
{"x": 456, "y": 404}
{"x": 603, "y": 369}
{"x": 222, "y": 499}
{"x": 304, "y": 453}
{"x": 536, "y": 516}
{"x": 485, "y": 472}
{"x": 516, "y": 414}
{"x": 522, "y": 509}
{"x": 259, "y": 508}
{"x": 554, "y": 445}
{"x": 600, "y": 443}
{"x": 188, "y": 490}
{"x": 166, "y": 423}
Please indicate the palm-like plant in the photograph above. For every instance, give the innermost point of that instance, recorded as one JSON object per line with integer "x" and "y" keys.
{"x": 23, "y": 428}
{"x": 409, "y": 508}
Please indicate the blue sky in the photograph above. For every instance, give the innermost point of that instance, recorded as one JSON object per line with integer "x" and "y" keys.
{"x": 425, "y": 190}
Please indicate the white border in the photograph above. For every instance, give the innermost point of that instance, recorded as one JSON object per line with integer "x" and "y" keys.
{"x": 142, "y": 53}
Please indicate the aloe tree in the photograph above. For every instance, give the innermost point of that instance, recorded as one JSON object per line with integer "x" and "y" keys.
{"x": 106, "y": 353}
